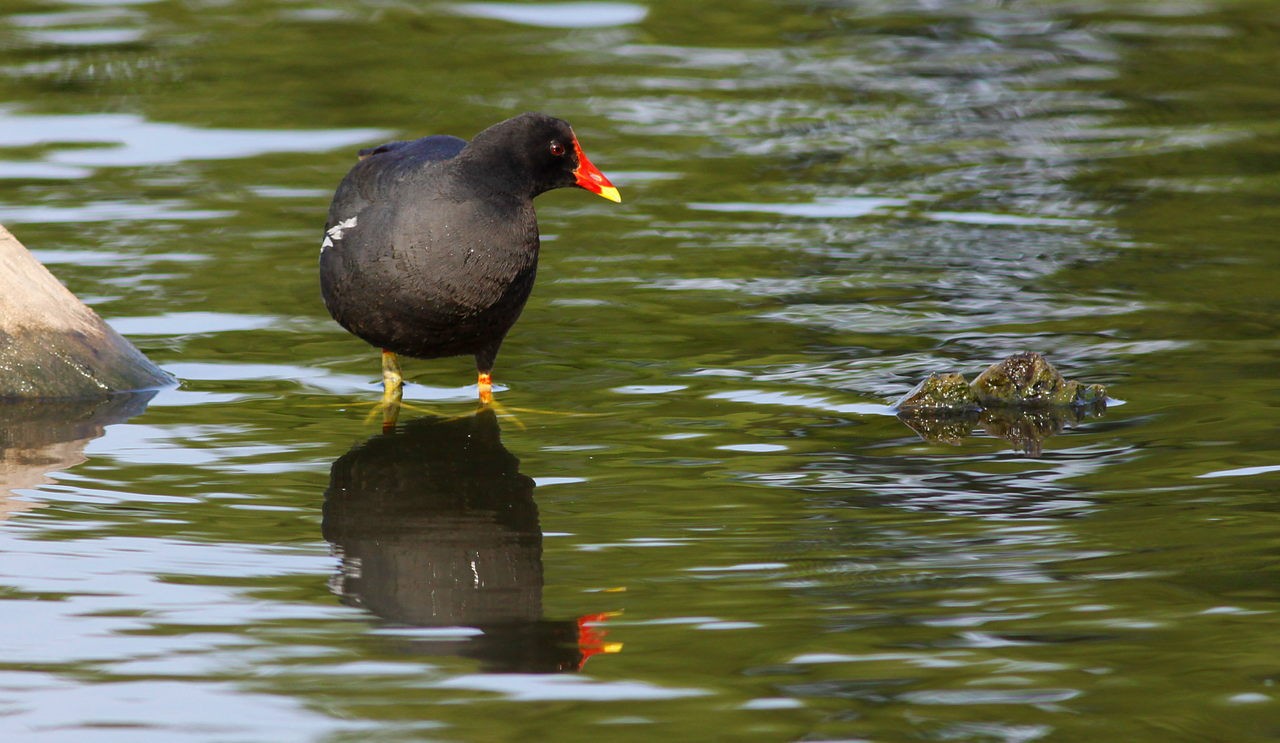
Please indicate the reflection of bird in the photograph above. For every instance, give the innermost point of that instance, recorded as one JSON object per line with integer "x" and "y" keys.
{"x": 431, "y": 246}
{"x": 437, "y": 527}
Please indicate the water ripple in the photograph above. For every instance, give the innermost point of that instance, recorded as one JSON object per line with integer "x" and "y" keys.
{"x": 128, "y": 140}
{"x": 558, "y": 15}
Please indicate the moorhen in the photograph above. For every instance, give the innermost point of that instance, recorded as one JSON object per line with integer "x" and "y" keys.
{"x": 431, "y": 245}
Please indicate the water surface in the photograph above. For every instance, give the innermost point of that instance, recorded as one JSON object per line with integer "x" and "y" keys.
{"x": 702, "y": 524}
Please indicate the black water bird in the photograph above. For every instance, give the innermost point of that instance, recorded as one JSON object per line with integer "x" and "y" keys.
{"x": 431, "y": 245}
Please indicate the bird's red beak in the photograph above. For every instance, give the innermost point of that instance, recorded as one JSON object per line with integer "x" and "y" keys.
{"x": 589, "y": 176}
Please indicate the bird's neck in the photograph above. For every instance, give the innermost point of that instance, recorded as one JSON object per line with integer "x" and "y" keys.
{"x": 496, "y": 170}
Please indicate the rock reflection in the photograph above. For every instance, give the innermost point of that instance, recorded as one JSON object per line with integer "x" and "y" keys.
{"x": 38, "y": 437}
{"x": 1025, "y": 428}
{"x": 437, "y": 527}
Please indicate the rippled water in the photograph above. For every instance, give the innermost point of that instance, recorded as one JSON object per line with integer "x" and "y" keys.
{"x": 702, "y": 522}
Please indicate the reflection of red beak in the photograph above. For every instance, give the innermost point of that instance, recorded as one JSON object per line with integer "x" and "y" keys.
{"x": 589, "y": 176}
{"x": 591, "y": 638}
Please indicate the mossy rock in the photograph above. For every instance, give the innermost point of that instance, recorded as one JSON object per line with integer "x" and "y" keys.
{"x": 1021, "y": 399}
{"x": 1028, "y": 380}
{"x": 940, "y": 393}
{"x": 1023, "y": 380}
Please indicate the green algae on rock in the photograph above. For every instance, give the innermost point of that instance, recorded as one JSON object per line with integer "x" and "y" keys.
{"x": 940, "y": 393}
{"x": 1028, "y": 380}
{"x": 1024, "y": 380}
{"x": 1022, "y": 399}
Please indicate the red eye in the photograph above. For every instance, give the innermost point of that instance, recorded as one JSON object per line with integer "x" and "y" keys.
{"x": 557, "y": 149}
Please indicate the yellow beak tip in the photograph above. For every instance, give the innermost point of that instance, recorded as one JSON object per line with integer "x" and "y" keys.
{"x": 611, "y": 193}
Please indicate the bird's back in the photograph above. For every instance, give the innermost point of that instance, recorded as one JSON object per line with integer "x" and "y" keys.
{"x": 382, "y": 170}
{"x": 426, "y": 149}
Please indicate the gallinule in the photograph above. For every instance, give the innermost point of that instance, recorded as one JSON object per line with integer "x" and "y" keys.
{"x": 431, "y": 245}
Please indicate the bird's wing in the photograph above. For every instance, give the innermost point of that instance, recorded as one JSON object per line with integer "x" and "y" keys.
{"x": 438, "y": 147}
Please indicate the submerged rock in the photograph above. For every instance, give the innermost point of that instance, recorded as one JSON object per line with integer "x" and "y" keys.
{"x": 940, "y": 393}
{"x": 1028, "y": 379}
{"x": 1021, "y": 399}
{"x": 1025, "y": 380}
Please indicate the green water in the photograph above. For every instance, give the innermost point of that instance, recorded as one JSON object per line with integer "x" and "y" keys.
{"x": 823, "y": 202}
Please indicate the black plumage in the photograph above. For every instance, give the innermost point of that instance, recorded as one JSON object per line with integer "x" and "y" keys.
{"x": 431, "y": 245}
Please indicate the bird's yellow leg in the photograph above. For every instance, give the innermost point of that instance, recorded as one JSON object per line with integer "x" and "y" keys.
{"x": 390, "y": 404}
{"x": 392, "y": 391}
{"x": 392, "y": 379}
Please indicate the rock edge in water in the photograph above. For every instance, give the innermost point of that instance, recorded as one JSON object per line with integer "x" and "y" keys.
{"x": 52, "y": 345}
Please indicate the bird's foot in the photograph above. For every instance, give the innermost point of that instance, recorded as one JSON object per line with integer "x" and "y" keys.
{"x": 514, "y": 414}
{"x": 502, "y": 411}
{"x": 389, "y": 412}
{"x": 392, "y": 392}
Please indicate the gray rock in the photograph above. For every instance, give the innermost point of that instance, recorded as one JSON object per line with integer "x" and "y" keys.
{"x": 52, "y": 346}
